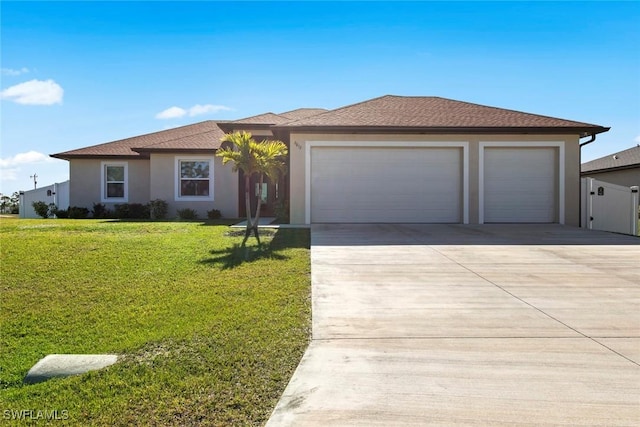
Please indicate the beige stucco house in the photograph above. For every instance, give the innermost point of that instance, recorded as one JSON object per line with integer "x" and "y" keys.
{"x": 388, "y": 159}
{"x": 622, "y": 168}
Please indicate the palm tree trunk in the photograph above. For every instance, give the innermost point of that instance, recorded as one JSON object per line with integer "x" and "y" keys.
{"x": 258, "y": 206}
{"x": 247, "y": 201}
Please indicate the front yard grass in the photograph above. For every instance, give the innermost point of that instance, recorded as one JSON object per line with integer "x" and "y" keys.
{"x": 209, "y": 333}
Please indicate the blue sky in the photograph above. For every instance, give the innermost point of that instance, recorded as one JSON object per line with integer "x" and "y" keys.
{"x": 76, "y": 74}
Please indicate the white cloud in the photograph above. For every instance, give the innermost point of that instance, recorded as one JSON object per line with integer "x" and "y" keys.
{"x": 637, "y": 138}
{"x": 198, "y": 109}
{"x": 29, "y": 157}
{"x": 12, "y": 72}
{"x": 171, "y": 113}
{"x": 9, "y": 174}
{"x": 34, "y": 92}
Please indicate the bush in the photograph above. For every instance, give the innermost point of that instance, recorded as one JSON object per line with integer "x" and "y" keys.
{"x": 187, "y": 214}
{"x": 61, "y": 213}
{"x": 138, "y": 211}
{"x": 158, "y": 209}
{"x": 101, "y": 211}
{"x": 42, "y": 209}
{"x": 76, "y": 212}
{"x": 281, "y": 209}
{"x": 214, "y": 214}
{"x": 131, "y": 211}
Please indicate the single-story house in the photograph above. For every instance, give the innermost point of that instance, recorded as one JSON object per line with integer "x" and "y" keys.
{"x": 622, "y": 168}
{"x": 388, "y": 159}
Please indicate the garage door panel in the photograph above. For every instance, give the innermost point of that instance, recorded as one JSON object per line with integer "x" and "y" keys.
{"x": 385, "y": 184}
{"x": 520, "y": 185}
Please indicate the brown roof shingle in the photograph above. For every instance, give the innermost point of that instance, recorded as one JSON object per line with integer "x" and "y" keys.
{"x": 385, "y": 114}
{"x": 428, "y": 112}
{"x": 198, "y": 136}
{"x": 263, "y": 119}
{"x": 621, "y": 160}
{"x": 302, "y": 113}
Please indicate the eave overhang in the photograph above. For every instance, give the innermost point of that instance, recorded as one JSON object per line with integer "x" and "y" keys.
{"x": 580, "y": 131}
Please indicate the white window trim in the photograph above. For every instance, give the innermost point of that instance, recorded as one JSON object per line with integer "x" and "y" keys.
{"x": 516, "y": 144}
{"x": 177, "y": 178}
{"x": 389, "y": 144}
{"x": 103, "y": 183}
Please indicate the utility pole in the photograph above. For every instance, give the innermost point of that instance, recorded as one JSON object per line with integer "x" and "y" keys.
{"x": 35, "y": 180}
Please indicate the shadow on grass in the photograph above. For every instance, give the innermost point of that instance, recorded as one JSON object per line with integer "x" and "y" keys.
{"x": 236, "y": 255}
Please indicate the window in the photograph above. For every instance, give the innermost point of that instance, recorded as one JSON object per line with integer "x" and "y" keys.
{"x": 114, "y": 182}
{"x": 194, "y": 178}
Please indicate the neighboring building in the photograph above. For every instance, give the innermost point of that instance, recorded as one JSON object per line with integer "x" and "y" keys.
{"x": 389, "y": 159}
{"x": 621, "y": 168}
{"x": 57, "y": 193}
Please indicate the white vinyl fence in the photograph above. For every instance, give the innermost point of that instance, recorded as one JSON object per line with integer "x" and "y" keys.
{"x": 609, "y": 207}
{"x": 57, "y": 194}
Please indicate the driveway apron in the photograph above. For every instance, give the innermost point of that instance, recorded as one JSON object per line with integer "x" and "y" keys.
{"x": 487, "y": 325}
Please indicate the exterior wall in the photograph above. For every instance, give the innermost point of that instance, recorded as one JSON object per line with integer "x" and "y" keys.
{"x": 163, "y": 178}
{"x": 85, "y": 181}
{"x": 625, "y": 177}
{"x": 299, "y": 142}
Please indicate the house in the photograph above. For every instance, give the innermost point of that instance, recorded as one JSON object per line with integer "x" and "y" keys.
{"x": 622, "y": 168}
{"x": 388, "y": 159}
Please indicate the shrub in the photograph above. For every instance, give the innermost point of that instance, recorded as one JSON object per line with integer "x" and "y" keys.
{"x": 61, "y": 213}
{"x": 138, "y": 211}
{"x": 121, "y": 211}
{"x": 131, "y": 211}
{"x": 281, "y": 209}
{"x": 41, "y": 208}
{"x": 187, "y": 214}
{"x": 214, "y": 214}
{"x": 158, "y": 209}
{"x": 100, "y": 211}
{"x": 76, "y": 212}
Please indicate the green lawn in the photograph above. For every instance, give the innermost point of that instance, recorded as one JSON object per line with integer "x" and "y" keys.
{"x": 210, "y": 333}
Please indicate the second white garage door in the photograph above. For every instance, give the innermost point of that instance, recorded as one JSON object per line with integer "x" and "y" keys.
{"x": 386, "y": 185}
{"x": 520, "y": 185}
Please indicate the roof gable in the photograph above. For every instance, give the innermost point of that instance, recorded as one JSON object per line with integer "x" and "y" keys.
{"x": 622, "y": 159}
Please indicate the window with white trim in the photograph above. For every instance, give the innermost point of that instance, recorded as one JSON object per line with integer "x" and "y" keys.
{"x": 194, "y": 178}
{"x": 114, "y": 182}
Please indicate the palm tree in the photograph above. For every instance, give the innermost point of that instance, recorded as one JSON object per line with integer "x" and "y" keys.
{"x": 266, "y": 158}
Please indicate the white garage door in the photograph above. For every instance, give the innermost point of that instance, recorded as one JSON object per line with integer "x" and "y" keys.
{"x": 387, "y": 185}
{"x": 520, "y": 185}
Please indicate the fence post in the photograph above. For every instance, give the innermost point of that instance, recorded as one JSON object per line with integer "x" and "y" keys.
{"x": 634, "y": 210}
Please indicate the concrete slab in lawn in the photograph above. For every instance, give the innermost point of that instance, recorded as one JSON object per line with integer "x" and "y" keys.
{"x": 64, "y": 365}
{"x": 469, "y": 325}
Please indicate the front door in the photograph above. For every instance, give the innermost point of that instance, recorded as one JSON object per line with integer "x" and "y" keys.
{"x": 270, "y": 193}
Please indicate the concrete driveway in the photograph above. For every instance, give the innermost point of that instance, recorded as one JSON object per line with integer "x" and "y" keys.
{"x": 469, "y": 325}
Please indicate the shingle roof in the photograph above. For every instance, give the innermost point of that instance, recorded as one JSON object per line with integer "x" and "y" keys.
{"x": 198, "y": 136}
{"x": 433, "y": 113}
{"x": 276, "y": 119}
{"x": 263, "y": 119}
{"x": 385, "y": 114}
{"x": 302, "y": 113}
{"x": 621, "y": 160}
